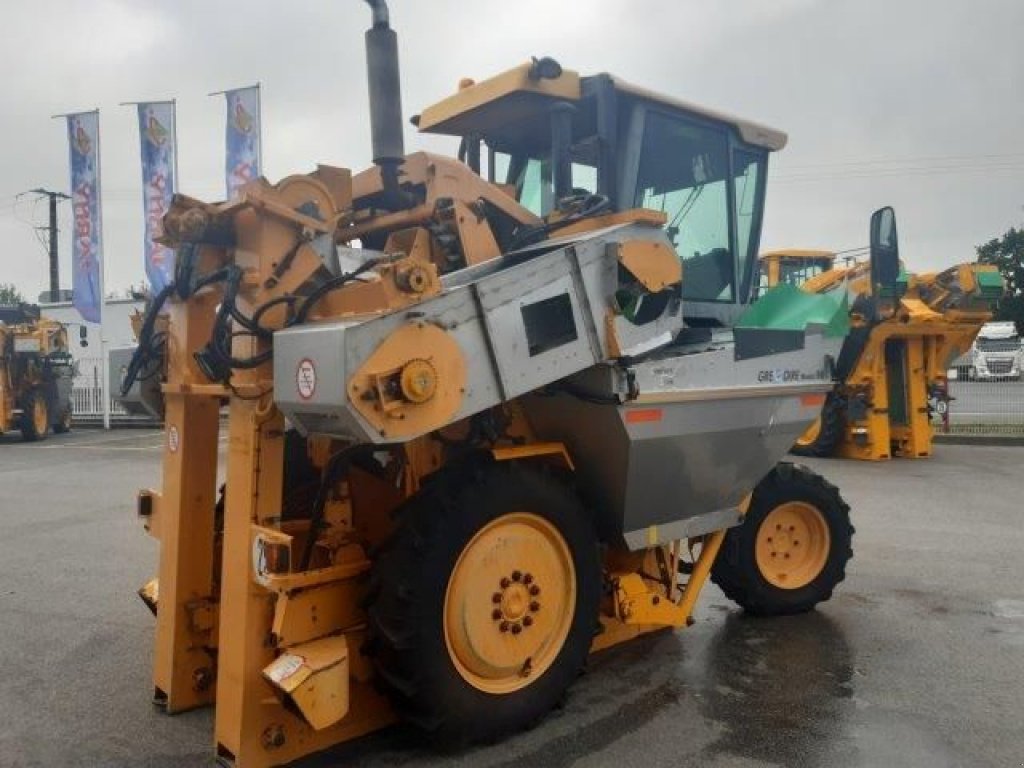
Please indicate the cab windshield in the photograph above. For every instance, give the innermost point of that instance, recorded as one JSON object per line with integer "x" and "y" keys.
{"x": 700, "y": 174}
{"x": 795, "y": 271}
{"x": 705, "y": 188}
{"x": 791, "y": 270}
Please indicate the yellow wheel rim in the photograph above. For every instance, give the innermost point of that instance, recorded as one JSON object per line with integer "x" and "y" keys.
{"x": 808, "y": 437}
{"x": 509, "y": 603}
{"x": 792, "y": 545}
{"x": 40, "y": 417}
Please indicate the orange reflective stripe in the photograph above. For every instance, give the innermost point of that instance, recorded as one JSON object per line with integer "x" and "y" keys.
{"x": 816, "y": 398}
{"x": 640, "y": 415}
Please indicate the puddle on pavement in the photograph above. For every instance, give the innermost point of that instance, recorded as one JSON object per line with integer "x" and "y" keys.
{"x": 1008, "y": 626}
{"x": 781, "y": 688}
{"x": 1008, "y": 609}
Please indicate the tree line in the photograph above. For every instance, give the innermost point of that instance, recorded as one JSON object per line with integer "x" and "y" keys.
{"x": 1007, "y": 254}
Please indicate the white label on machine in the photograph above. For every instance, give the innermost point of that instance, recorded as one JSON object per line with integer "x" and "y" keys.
{"x": 172, "y": 439}
{"x": 305, "y": 378}
{"x": 284, "y": 667}
{"x": 26, "y": 345}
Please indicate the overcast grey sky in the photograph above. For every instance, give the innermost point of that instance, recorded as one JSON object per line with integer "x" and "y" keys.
{"x": 914, "y": 103}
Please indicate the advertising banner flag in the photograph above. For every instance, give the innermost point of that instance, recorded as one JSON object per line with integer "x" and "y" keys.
{"x": 87, "y": 239}
{"x": 159, "y": 181}
{"x": 243, "y": 137}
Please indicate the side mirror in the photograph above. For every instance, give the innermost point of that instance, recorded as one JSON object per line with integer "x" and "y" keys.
{"x": 83, "y": 336}
{"x": 885, "y": 249}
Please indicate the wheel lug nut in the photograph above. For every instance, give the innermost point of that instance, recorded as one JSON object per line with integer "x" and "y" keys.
{"x": 495, "y": 614}
{"x": 503, "y": 626}
{"x": 534, "y": 590}
{"x": 516, "y": 629}
{"x": 496, "y": 598}
{"x": 505, "y": 583}
{"x": 534, "y": 606}
{"x": 527, "y": 621}
{"x": 528, "y": 578}
{"x": 517, "y": 575}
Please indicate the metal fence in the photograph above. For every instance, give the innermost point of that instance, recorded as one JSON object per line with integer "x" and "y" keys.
{"x": 986, "y": 403}
{"x": 87, "y": 391}
{"x": 87, "y": 402}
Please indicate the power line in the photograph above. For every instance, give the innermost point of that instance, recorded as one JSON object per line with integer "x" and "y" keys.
{"x": 897, "y": 167}
{"x": 895, "y": 173}
{"x": 943, "y": 159}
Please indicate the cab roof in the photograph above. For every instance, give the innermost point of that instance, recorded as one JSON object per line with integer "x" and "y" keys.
{"x": 798, "y": 253}
{"x": 751, "y": 132}
{"x": 509, "y": 104}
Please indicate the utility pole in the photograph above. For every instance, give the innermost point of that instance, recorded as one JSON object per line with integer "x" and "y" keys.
{"x": 54, "y": 268}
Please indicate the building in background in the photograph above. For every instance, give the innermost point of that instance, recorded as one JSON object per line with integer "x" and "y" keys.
{"x": 87, "y": 388}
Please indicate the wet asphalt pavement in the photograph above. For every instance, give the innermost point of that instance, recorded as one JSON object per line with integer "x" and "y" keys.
{"x": 917, "y": 661}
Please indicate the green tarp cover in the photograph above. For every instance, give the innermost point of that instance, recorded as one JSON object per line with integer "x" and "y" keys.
{"x": 787, "y": 308}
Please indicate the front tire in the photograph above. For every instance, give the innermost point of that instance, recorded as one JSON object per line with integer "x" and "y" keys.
{"x": 35, "y": 418}
{"x": 792, "y": 548}
{"x": 484, "y": 602}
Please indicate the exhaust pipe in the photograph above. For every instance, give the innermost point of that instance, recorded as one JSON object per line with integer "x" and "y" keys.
{"x": 385, "y": 100}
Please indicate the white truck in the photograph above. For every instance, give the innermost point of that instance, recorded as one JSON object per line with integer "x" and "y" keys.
{"x": 997, "y": 353}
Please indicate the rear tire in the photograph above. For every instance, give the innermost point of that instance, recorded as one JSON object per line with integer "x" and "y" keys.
{"x": 830, "y": 424}
{"x": 792, "y": 548}
{"x": 35, "y": 418}
{"x": 63, "y": 426}
{"x": 484, "y": 602}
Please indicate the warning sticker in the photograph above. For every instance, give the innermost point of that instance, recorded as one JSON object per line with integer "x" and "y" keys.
{"x": 305, "y": 378}
{"x": 173, "y": 440}
{"x": 284, "y": 667}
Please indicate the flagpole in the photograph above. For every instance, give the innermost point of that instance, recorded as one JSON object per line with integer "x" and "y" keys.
{"x": 174, "y": 132}
{"x": 151, "y": 101}
{"x": 229, "y": 90}
{"x": 259, "y": 122}
{"x": 105, "y": 378}
{"x": 75, "y": 114}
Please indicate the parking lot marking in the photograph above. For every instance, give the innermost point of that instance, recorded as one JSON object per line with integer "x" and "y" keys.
{"x": 106, "y": 445}
{"x": 101, "y": 447}
{"x": 120, "y": 439}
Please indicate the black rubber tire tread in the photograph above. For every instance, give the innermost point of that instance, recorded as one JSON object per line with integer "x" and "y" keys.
{"x": 735, "y": 569}
{"x": 28, "y": 428}
{"x": 63, "y": 425}
{"x": 405, "y": 602}
{"x": 833, "y": 422}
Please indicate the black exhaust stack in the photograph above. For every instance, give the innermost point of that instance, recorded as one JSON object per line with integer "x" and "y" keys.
{"x": 385, "y": 101}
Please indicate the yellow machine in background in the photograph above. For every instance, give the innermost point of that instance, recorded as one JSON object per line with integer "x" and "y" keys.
{"x": 894, "y": 361}
{"x": 35, "y": 373}
{"x": 486, "y": 415}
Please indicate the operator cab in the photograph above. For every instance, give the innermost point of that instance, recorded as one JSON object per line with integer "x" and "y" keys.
{"x": 791, "y": 267}
{"x": 559, "y": 142}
